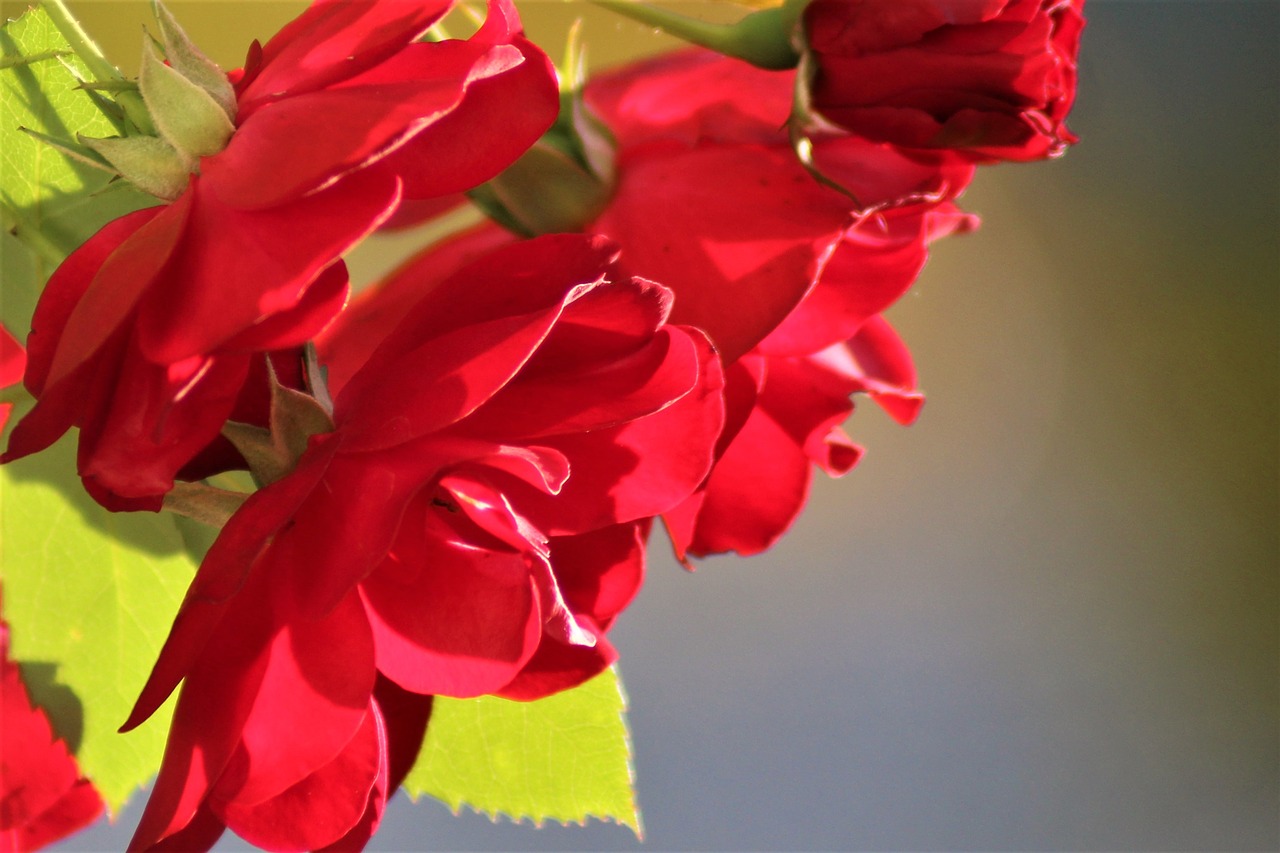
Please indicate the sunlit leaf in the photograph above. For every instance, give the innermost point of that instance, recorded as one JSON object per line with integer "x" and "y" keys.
{"x": 89, "y": 596}
{"x": 565, "y": 758}
{"x": 52, "y": 202}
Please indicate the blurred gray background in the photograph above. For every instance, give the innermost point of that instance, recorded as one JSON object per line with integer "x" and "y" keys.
{"x": 1044, "y": 617}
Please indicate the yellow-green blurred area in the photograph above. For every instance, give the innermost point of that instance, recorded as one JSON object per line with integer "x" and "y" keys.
{"x": 1044, "y": 617}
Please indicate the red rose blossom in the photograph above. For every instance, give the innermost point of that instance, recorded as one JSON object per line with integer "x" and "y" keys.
{"x": 774, "y": 265}
{"x": 43, "y": 797}
{"x": 991, "y": 79}
{"x": 787, "y": 398}
{"x": 711, "y": 201}
{"x": 472, "y": 525}
{"x": 144, "y": 335}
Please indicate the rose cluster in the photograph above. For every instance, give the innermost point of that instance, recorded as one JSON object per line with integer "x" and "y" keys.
{"x": 665, "y": 320}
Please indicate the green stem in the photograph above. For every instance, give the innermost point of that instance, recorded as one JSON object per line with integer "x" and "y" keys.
{"x": 96, "y": 61}
{"x": 762, "y": 38}
{"x": 79, "y": 42}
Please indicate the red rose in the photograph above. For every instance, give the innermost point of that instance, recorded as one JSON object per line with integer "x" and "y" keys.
{"x": 991, "y": 79}
{"x": 43, "y": 797}
{"x": 790, "y": 286}
{"x": 143, "y": 336}
{"x": 711, "y": 201}
{"x": 472, "y": 525}
{"x": 787, "y": 398}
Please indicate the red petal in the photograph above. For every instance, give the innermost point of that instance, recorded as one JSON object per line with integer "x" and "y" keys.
{"x": 465, "y": 337}
{"x": 215, "y": 700}
{"x": 325, "y": 806}
{"x": 693, "y": 97}
{"x": 633, "y": 470}
{"x": 453, "y": 620}
{"x": 156, "y": 419}
{"x": 124, "y": 259}
{"x": 321, "y": 671}
{"x": 888, "y": 371}
{"x": 406, "y": 715}
{"x": 501, "y": 115}
{"x": 321, "y": 301}
{"x": 874, "y": 265}
{"x": 755, "y": 492}
{"x": 393, "y": 400}
{"x": 221, "y": 576}
{"x": 265, "y": 164}
{"x": 73, "y": 811}
{"x": 347, "y": 344}
{"x": 600, "y": 572}
{"x": 201, "y": 833}
{"x": 42, "y": 796}
{"x": 332, "y": 41}
{"x": 739, "y": 234}
{"x": 236, "y": 268}
{"x": 558, "y": 667}
{"x": 840, "y": 26}
{"x": 598, "y": 397}
{"x": 13, "y": 362}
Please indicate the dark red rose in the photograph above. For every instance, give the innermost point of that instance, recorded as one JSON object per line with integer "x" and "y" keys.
{"x": 989, "y": 79}
{"x": 472, "y": 525}
{"x": 144, "y": 336}
{"x": 43, "y": 797}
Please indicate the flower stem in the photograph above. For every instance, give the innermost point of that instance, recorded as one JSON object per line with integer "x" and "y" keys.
{"x": 96, "y": 61}
{"x": 761, "y": 38}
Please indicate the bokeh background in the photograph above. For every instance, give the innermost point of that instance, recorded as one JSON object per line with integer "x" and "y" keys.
{"x": 1044, "y": 617}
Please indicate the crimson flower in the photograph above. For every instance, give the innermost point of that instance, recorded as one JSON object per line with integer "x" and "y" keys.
{"x": 785, "y": 279}
{"x": 144, "y": 336}
{"x": 710, "y": 199}
{"x": 989, "y": 79}
{"x": 43, "y": 797}
{"x": 787, "y": 399}
{"x": 471, "y": 525}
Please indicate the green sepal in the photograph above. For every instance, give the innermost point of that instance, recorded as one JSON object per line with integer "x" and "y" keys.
{"x": 186, "y": 115}
{"x": 547, "y": 192}
{"x": 206, "y": 504}
{"x": 80, "y": 153}
{"x": 566, "y": 179}
{"x": 149, "y": 163}
{"x": 295, "y": 416}
{"x": 191, "y": 62}
{"x": 762, "y": 38}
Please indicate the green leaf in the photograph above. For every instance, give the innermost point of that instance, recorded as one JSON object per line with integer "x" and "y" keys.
{"x": 89, "y": 596}
{"x": 50, "y": 201}
{"x": 564, "y": 758}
